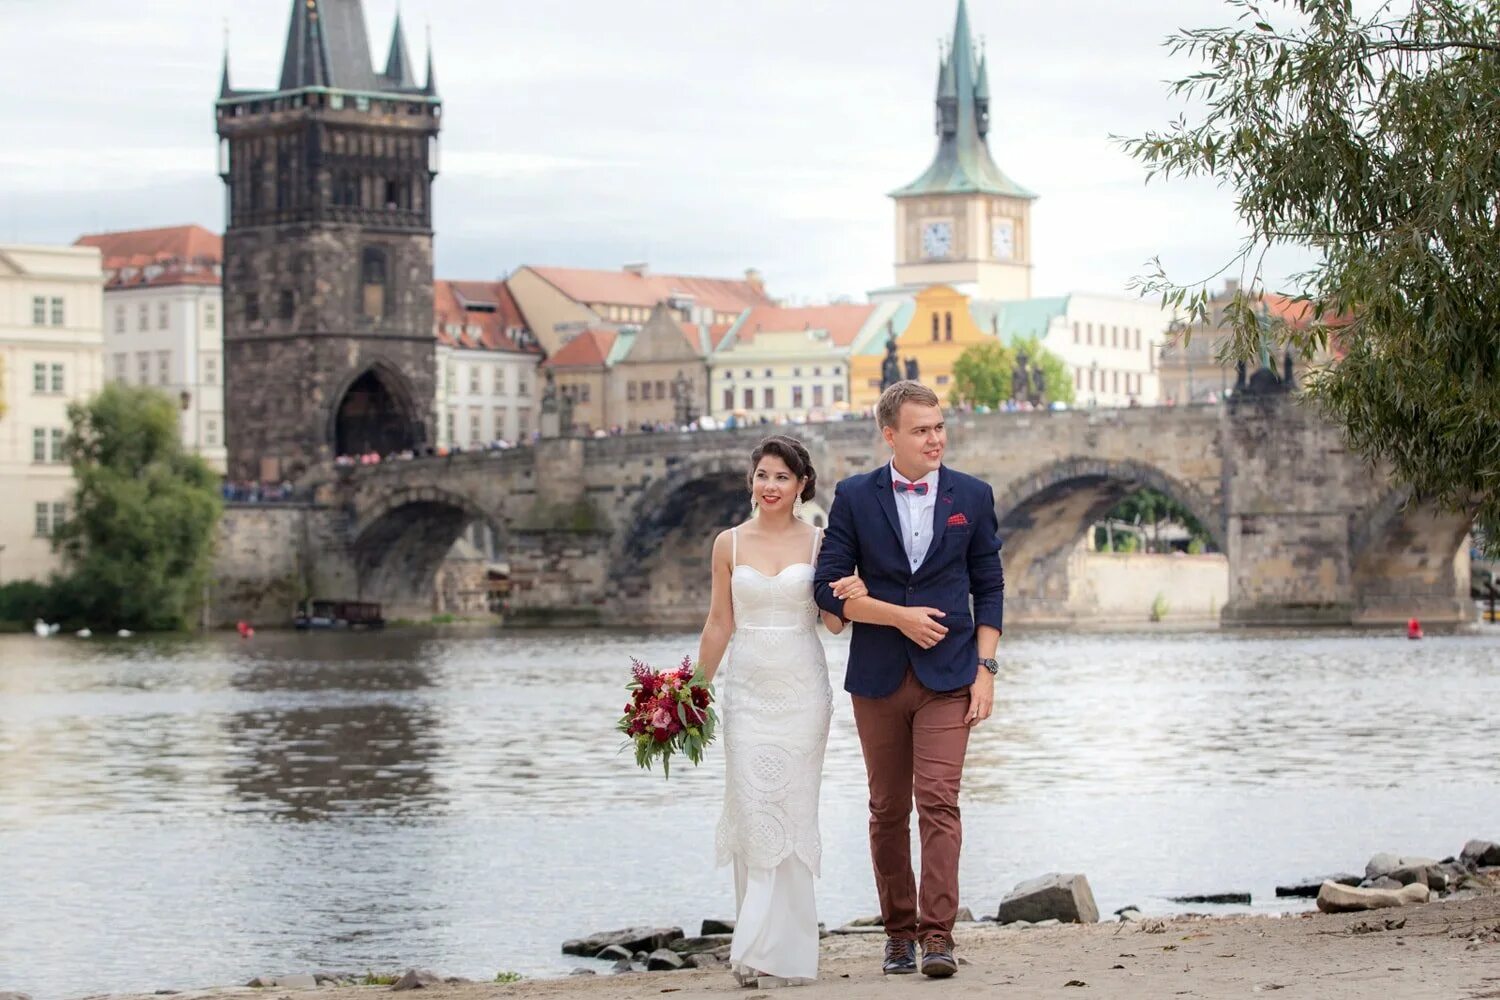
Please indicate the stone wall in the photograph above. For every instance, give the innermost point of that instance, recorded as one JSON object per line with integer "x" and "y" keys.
{"x": 273, "y": 555}
{"x": 1121, "y": 588}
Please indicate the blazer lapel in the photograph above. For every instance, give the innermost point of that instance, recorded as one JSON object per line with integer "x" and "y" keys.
{"x": 941, "y": 509}
{"x": 887, "y": 497}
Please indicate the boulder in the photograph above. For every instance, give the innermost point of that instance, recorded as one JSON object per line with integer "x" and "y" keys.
{"x": 694, "y": 945}
{"x": 1431, "y": 876}
{"x": 624, "y": 965}
{"x": 706, "y": 961}
{"x": 717, "y": 927}
{"x": 964, "y": 916}
{"x": 1309, "y": 889}
{"x": 1066, "y": 898}
{"x": 633, "y": 939}
{"x": 583, "y": 972}
{"x": 297, "y": 981}
{"x": 1384, "y": 864}
{"x": 1481, "y": 854}
{"x": 1336, "y": 898}
{"x": 1225, "y": 898}
{"x": 876, "y": 921}
{"x": 664, "y": 960}
{"x": 614, "y": 953}
{"x": 14, "y": 996}
{"x": 1382, "y": 882}
{"x": 418, "y": 979}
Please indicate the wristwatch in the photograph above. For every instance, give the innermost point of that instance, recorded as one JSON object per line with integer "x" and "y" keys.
{"x": 989, "y": 664}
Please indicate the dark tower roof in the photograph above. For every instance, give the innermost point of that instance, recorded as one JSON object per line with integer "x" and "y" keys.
{"x": 963, "y": 164}
{"x": 327, "y": 46}
{"x": 431, "y": 89}
{"x": 398, "y": 68}
{"x": 224, "y": 89}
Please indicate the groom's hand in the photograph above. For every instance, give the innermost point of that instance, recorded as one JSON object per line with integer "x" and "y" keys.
{"x": 981, "y": 698}
{"x": 920, "y": 625}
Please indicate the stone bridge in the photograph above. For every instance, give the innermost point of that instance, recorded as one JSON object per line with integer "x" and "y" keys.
{"x": 618, "y": 530}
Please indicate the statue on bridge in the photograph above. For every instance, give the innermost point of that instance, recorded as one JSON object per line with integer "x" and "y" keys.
{"x": 913, "y": 373}
{"x": 556, "y": 409}
{"x": 1038, "y": 386}
{"x": 1020, "y": 379}
{"x": 890, "y": 369}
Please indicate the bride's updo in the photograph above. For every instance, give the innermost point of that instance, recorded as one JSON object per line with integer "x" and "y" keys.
{"x": 794, "y": 454}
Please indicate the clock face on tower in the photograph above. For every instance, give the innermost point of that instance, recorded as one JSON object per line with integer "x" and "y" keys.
{"x": 1004, "y": 239}
{"x": 937, "y": 239}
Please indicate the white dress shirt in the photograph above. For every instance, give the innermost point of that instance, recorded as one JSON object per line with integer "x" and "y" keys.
{"x": 915, "y": 514}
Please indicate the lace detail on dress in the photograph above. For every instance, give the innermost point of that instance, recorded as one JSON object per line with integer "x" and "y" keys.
{"x": 776, "y": 705}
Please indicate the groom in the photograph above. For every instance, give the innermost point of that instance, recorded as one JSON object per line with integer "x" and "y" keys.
{"x": 921, "y": 662}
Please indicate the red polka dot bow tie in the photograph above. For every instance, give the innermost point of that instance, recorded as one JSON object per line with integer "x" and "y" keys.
{"x": 920, "y": 489}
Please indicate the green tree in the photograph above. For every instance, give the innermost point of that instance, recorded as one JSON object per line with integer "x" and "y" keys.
{"x": 1151, "y": 509}
{"x": 982, "y": 373}
{"x": 1055, "y": 374}
{"x": 1366, "y": 134}
{"x": 139, "y": 537}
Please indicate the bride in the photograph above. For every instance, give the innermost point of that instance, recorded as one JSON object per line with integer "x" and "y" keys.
{"x": 775, "y": 707}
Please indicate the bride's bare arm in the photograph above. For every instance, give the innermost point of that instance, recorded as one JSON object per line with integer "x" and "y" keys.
{"x": 720, "y": 624}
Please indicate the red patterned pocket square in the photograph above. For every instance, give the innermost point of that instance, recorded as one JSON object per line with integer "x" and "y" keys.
{"x": 957, "y": 520}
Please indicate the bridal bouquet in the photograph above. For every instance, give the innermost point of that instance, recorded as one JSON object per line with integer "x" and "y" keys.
{"x": 670, "y": 712}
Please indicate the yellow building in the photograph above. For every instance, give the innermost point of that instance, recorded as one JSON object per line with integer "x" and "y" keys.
{"x": 932, "y": 330}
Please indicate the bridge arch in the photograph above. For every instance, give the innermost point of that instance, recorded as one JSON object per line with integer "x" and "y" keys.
{"x": 1408, "y": 560}
{"x": 399, "y": 545}
{"x": 376, "y": 411}
{"x": 1044, "y": 514}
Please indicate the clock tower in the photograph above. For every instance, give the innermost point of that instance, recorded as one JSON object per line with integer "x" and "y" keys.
{"x": 963, "y": 222}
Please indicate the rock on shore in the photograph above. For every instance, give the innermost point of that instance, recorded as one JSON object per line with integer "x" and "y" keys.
{"x": 1065, "y": 898}
{"x": 1336, "y": 898}
{"x": 632, "y": 939}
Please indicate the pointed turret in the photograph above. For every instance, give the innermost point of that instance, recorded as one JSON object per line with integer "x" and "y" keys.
{"x": 431, "y": 89}
{"x": 224, "y": 89}
{"x": 963, "y": 164}
{"x": 398, "y": 68}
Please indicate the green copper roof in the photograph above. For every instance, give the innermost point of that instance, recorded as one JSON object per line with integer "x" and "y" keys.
{"x": 1018, "y": 319}
{"x": 963, "y": 164}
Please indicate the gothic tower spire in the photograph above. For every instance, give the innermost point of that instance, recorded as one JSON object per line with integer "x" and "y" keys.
{"x": 398, "y": 67}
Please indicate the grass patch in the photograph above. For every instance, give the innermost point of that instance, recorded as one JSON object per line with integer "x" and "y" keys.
{"x": 508, "y": 977}
{"x": 379, "y": 979}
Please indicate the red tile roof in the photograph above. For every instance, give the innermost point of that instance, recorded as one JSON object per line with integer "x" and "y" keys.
{"x": 590, "y": 349}
{"x": 628, "y": 288}
{"x": 176, "y": 255}
{"x": 485, "y": 305}
{"x": 843, "y": 322}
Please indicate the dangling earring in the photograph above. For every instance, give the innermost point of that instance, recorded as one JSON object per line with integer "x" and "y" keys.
{"x": 754, "y": 507}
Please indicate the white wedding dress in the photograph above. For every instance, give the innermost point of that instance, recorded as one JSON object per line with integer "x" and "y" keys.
{"x": 775, "y": 707}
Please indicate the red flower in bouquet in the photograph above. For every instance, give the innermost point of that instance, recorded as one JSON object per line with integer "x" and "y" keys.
{"x": 670, "y": 712}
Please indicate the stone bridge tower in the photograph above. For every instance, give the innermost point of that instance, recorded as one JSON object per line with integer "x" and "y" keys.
{"x": 328, "y": 250}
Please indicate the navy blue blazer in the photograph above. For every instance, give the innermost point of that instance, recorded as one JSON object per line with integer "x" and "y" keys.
{"x": 864, "y": 533}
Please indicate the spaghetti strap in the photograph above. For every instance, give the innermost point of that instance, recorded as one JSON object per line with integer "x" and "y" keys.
{"x": 734, "y": 547}
{"x": 817, "y": 544}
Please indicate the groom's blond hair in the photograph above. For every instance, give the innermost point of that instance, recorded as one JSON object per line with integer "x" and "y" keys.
{"x": 888, "y": 410}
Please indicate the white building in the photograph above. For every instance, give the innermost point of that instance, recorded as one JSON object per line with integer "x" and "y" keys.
{"x": 1111, "y": 344}
{"x": 487, "y": 361}
{"x": 50, "y": 304}
{"x": 163, "y": 323}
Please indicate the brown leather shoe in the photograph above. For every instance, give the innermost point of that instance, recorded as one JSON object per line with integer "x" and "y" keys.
{"x": 900, "y": 957}
{"x": 937, "y": 957}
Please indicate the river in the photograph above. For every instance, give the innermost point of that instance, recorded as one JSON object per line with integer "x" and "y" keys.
{"x": 193, "y": 811}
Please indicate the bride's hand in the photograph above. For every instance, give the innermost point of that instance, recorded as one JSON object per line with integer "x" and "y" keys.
{"x": 849, "y": 588}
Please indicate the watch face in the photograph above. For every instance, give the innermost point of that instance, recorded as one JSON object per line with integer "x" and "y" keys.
{"x": 937, "y": 239}
{"x": 1004, "y": 238}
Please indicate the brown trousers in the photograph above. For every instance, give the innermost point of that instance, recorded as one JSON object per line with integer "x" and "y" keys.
{"x": 914, "y": 743}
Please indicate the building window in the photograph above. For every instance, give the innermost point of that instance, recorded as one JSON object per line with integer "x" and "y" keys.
{"x": 450, "y": 377}
{"x": 498, "y": 416}
{"x": 817, "y": 372}
{"x": 57, "y": 437}
{"x": 728, "y": 399}
{"x": 39, "y": 444}
{"x": 57, "y": 312}
{"x": 119, "y": 319}
{"x": 749, "y": 399}
{"x": 584, "y": 393}
{"x": 523, "y": 423}
{"x": 1114, "y": 336}
{"x": 211, "y": 369}
{"x": 943, "y": 380}
{"x": 43, "y": 520}
{"x": 630, "y": 392}
{"x": 661, "y": 389}
{"x": 38, "y": 377}
{"x": 499, "y": 382}
{"x": 750, "y": 374}
{"x": 58, "y": 382}
{"x": 163, "y": 367}
{"x": 374, "y": 284}
{"x": 143, "y": 367}
{"x": 1115, "y": 382}
{"x": 39, "y": 310}
{"x": 210, "y": 316}
{"x": 796, "y": 397}
{"x": 475, "y": 433}
{"x": 59, "y": 515}
{"x": 211, "y": 432}
{"x": 935, "y": 335}
{"x": 163, "y": 316}
{"x": 768, "y": 398}
{"x": 523, "y": 388}
{"x": 450, "y": 425}
{"x": 475, "y": 374}
{"x": 837, "y": 370}
{"x": 817, "y": 395}
{"x": 122, "y": 361}
{"x": 1075, "y": 331}
{"x": 796, "y": 373}
{"x": 838, "y": 394}
{"x": 287, "y": 306}
{"x": 947, "y": 326}
{"x": 252, "y": 308}
{"x": 1088, "y": 334}
{"x": 1078, "y": 378}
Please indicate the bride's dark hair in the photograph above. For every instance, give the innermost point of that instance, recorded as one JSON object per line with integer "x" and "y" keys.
{"x": 794, "y": 454}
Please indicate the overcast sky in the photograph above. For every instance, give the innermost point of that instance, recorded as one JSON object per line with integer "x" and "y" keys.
{"x": 704, "y": 136}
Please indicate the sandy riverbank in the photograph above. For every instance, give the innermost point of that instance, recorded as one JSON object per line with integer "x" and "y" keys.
{"x": 1444, "y": 949}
